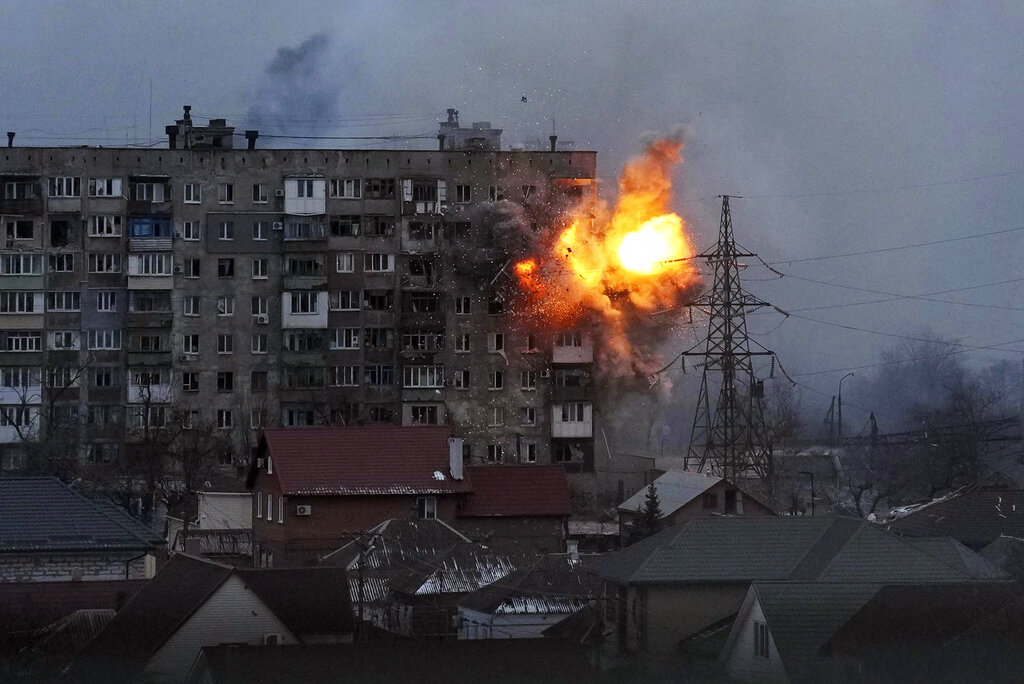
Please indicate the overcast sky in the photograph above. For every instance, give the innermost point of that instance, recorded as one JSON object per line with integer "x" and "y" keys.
{"x": 847, "y": 126}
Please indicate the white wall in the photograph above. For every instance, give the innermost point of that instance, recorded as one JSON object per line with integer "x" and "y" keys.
{"x": 476, "y": 625}
{"x": 742, "y": 664}
{"x": 584, "y": 428}
{"x": 304, "y": 206}
{"x": 304, "y": 321}
{"x": 225, "y": 510}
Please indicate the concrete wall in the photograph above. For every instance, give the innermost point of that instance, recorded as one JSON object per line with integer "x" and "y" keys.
{"x": 58, "y": 567}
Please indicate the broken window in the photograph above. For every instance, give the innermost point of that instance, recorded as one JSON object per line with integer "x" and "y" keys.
{"x": 379, "y": 188}
{"x": 379, "y": 226}
{"x": 421, "y": 230}
{"x": 60, "y": 232}
{"x": 379, "y": 300}
{"x": 345, "y": 226}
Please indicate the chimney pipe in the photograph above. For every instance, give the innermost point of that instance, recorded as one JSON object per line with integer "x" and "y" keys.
{"x": 553, "y": 139}
{"x": 440, "y": 142}
{"x": 250, "y": 137}
{"x": 455, "y": 457}
{"x": 172, "y": 136}
{"x": 188, "y": 111}
{"x": 10, "y": 138}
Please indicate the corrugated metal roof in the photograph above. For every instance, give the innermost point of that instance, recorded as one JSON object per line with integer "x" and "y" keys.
{"x": 367, "y": 461}
{"x": 516, "y": 490}
{"x": 975, "y": 518}
{"x": 44, "y": 514}
{"x": 550, "y": 584}
{"x": 675, "y": 489}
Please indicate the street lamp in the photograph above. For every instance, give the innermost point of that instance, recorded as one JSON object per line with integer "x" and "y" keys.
{"x": 841, "y": 406}
{"x": 808, "y": 472}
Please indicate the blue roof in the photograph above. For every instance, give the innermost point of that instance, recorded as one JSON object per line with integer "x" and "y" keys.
{"x": 44, "y": 514}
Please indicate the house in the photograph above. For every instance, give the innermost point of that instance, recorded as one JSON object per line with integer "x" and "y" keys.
{"x": 684, "y": 496}
{"x": 975, "y": 516}
{"x": 529, "y": 600}
{"x": 313, "y": 488}
{"x": 683, "y": 580}
{"x": 192, "y": 603}
{"x": 508, "y": 661}
{"x": 517, "y": 506}
{"x": 61, "y": 551}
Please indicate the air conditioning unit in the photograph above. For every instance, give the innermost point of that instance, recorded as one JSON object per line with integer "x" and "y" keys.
{"x": 177, "y": 269}
{"x": 279, "y": 193}
{"x": 277, "y": 225}
{"x": 304, "y": 510}
{"x": 546, "y": 373}
{"x": 262, "y": 319}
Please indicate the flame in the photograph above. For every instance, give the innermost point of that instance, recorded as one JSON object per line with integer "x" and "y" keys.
{"x": 616, "y": 261}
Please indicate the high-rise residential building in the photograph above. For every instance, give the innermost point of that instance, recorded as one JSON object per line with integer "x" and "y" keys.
{"x": 200, "y": 284}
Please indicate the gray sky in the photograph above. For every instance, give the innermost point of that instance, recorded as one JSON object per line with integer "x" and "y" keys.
{"x": 840, "y": 123}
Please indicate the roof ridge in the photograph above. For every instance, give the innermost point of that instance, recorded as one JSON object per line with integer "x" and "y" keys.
{"x": 650, "y": 556}
{"x": 119, "y": 520}
{"x": 832, "y": 540}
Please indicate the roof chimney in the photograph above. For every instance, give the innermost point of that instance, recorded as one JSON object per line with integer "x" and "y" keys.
{"x": 455, "y": 457}
{"x": 440, "y": 141}
{"x": 172, "y": 136}
{"x": 250, "y": 137}
{"x": 188, "y": 111}
{"x": 10, "y": 138}
{"x": 453, "y": 116}
{"x": 553, "y": 139}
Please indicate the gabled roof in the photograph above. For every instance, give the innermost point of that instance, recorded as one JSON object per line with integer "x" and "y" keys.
{"x": 516, "y": 490}
{"x": 675, "y": 489}
{"x": 466, "y": 567}
{"x": 307, "y": 600}
{"x": 1007, "y": 553}
{"x": 974, "y": 518}
{"x": 397, "y": 541}
{"x": 377, "y": 460}
{"x": 44, "y": 514}
{"x": 832, "y": 549}
{"x": 551, "y": 584}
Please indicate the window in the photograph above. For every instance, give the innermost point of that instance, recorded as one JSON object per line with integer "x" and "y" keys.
{"x": 189, "y": 382}
{"x": 343, "y": 300}
{"x": 260, "y": 305}
{"x": 149, "y": 227}
{"x": 495, "y": 380}
{"x": 105, "y": 339}
{"x": 259, "y": 343}
{"x": 426, "y": 507}
{"x": 709, "y": 501}
{"x": 259, "y": 508}
{"x": 497, "y": 416}
{"x": 146, "y": 343}
{"x": 190, "y": 344}
{"x": 572, "y": 338}
{"x": 298, "y": 417}
{"x": 761, "y": 638}
{"x": 494, "y": 453}
{"x": 422, "y": 341}
{"x": 304, "y": 229}
{"x": 528, "y": 380}
{"x": 148, "y": 378}
{"x": 21, "y": 264}
{"x": 105, "y": 187}
{"x": 66, "y": 186}
{"x": 304, "y": 267}
{"x": 527, "y": 415}
{"x": 190, "y": 230}
{"x": 62, "y": 263}
{"x": 151, "y": 263}
{"x": 304, "y": 302}
{"x": 149, "y": 192}
{"x": 257, "y": 418}
{"x": 419, "y": 230}
{"x": 105, "y": 226}
{"x": 59, "y": 233}
{"x": 226, "y": 193}
{"x": 304, "y": 377}
{"x": 463, "y": 306}
{"x": 346, "y": 262}
{"x": 226, "y": 305}
{"x": 379, "y": 338}
{"x": 378, "y": 263}
{"x": 280, "y": 519}
{"x": 344, "y": 226}
{"x": 345, "y": 338}
{"x": 258, "y": 381}
{"x": 462, "y": 343}
{"x": 103, "y": 452}
{"x": 493, "y": 195}
{"x": 259, "y": 193}
{"x": 379, "y": 375}
{"x": 495, "y": 342}
{"x": 531, "y": 343}
{"x": 225, "y": 419}
{"x": 259, "y": 269}
{"x": 379, "y": 188}
{"x": 344, "y": 376}
{"x": 225, "y": 381}
{"x": 104, "y": 263}
{"x": 226, "y": 230}
{"x": 496, "y": 306}
{"x": 463, "y": 193}
{"x": 104, "y": 377}
{"x": 20, "y": 230}
{"x": 423, "y": 376}
{"x": 423, "y": 302}
{"x": 19, "y": 302}
{"x": 259, "y": 230}
{"x": 64, "y": 339}
{"x": 304, "y": 188}
{"x": 225, "y": 343}
{"x": 379, "y": 226}
{"x": 193, "y": 193}
{"x": 193, "y": 268}
{"x": 573, "y": 412}
{"x": 149, "y": 301}
{"x": 462, "y": 379}
{"x": 190, "y": 305}
{"x": 20, "y": 378}
{"x": 345, "y": 188}
{"x": 303, "y": 340}
{"x": 530, "y": 452}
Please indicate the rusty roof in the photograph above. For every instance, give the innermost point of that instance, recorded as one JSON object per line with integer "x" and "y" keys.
{"x": 516, "y": 491}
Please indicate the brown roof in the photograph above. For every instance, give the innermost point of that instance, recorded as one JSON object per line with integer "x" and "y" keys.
{"x": 516, "y": 490}
{"x": 376, "y": 460}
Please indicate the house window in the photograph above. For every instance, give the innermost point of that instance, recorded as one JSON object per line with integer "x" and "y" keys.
{"x": 462, "y": 343}
{"x": 496, "y": 306}
{"x": 528, "y": 381}
{"x": 379, "y": 226}
{"x": 426, "y": 507}
{"x": 104, "y": 187}
{"x": 22, "y": 264}
{"x": 190, "y": 382}
{"x": 530, "y": 453}
{"x": 569, "y": 339}
{"x": 149, "y": 192}
{"x": 257, "y": 418}
{"x": 64, "y": 339}
{"x": 280, "y": 510}
{"x": 104, "y": 263}
{"x": 345, "y": 338}
{"x": 270, "y": 506}
{"x": 193, "y": 193}
{"x": 259, "y": 505}
{"x": 226, "y": 193}
{"x": 226, "y": 230}
{"x": 226, "y": 305}
{"x": 225, "y": 381}
{"x": 497, "y": 416}
{"x": 305, "y": 188}
{"x": 304, "y": 302}
{"x": 258, "y": 381}
{"x": 379, "y": 188}
{"x": 573, "y": 412}
{"x": 105, "y": 339}
{"x": 260, "y": 305}
{"x": 760, "y": 639}
{"x": 379, "y": 374}
{"x": 259, "y": 193}
{"x": 259, "y": 230}
{"x": 102, "y": 452}
{"x": 424, "y": 415}
{"x": 493, "y": 195}
{"x": 346, "y": 188}
{"x": 379, "y": 338}
{"x": 62, "y": 263}
{"x": 190, "y": 305}
{"x": 18, "y": 302}
{"x": 193, "y": 268}
{"x": 378, "y": 300}
{"x": 378, "y": 263}
{"x": 225, "y": 419}
{"x": 190, "y": 344}
{"x": 462, "y": 379}
{"x": 65, "y": 186}
{"x": 20, "y": 230}
{"x": 153, "y": 263}
{"x": 103, "y": 377}
{"x": 344, "y": 376}
{"x": 105, "y": 226}
{"x": 463, "y": 193}
{"x": 496, "y": 380}
{"x": 259, "y": 269}
{"x": 495, "y": 342}
{"x": 190, "y": 230}
{"x": 709, "y": 501}
{"x": 345, "y": 226}
{"x": 345, "y": 262}
{"x": 225, "y": 343}
{"x": 259, "y": 343}
{"x": 528, "y": 415}
{"x": 343, "y": 300}
{"x": 423, "y": 376}
{"x": 494, "y": 453}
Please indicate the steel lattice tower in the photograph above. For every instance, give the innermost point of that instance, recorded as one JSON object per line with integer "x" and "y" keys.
{"x": 732, "y": 441}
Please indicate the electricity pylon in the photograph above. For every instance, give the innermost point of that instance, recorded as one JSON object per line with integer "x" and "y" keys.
{"x": 731, "y": 441}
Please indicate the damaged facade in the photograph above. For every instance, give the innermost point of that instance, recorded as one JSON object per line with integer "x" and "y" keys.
{"x": 252, "y": 288}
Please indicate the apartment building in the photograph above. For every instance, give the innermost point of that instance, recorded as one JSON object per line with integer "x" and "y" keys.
{"x": 251, "y": 288}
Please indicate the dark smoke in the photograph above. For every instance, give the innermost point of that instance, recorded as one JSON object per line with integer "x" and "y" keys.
{"x": 296, "y": 87}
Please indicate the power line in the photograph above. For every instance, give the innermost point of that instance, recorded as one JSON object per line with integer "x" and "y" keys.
{"x": 894, "y": 188}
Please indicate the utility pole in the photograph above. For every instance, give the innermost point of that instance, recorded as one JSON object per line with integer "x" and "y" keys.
{"x": 841, "y": 406}
{"x": 731, "y": 441}
{"x": 830, "y": 420}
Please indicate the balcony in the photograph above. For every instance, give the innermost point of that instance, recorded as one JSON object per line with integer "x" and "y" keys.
{"x": 22, "y": 205}
{"x": 150, "y": 244}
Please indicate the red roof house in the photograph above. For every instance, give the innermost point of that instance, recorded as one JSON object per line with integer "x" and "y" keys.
{"x": 314, "y": 488}
{"x": 517, "y": 505}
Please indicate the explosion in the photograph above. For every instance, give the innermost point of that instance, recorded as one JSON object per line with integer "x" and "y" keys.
{"x": 620, "y": 262}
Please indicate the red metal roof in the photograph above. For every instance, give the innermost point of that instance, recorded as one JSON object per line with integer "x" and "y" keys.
{"x": 516, "y": 490}
{"x": 378, "y": 460}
